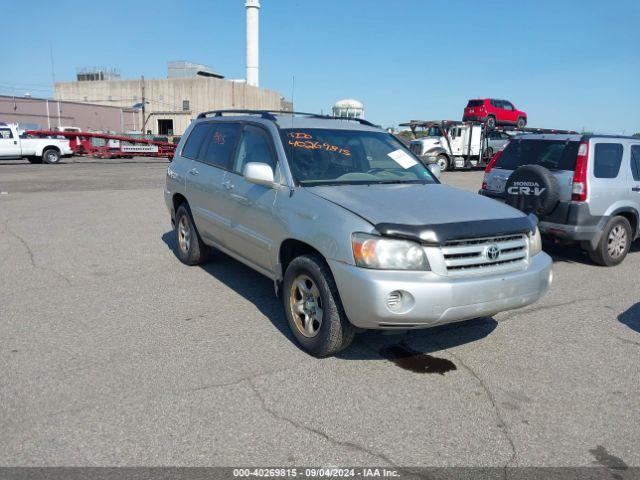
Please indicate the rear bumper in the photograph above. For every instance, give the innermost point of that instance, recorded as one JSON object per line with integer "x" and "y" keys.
{"x": 429, "y": 299}
{"x": 491, "y": 194}
{"x": 570, "y": 221}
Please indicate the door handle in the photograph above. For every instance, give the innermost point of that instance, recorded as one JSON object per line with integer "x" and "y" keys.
{"x": 194, "y": 171}
{"x": 228, "y": 185}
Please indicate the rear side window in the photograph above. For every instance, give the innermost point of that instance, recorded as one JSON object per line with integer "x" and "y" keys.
{"x": 635, "y": 162}
{"x": 551, "y": 154}
{"x": 194, "y": 142}
{"x": 607, "y": 160}
{"x": 474, "y": 103}
{"x": 5, "y": 133}
{"x": 220, "y": 144}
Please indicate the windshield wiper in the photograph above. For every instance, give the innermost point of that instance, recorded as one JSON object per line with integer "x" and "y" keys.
{"x": 380, "y": 182}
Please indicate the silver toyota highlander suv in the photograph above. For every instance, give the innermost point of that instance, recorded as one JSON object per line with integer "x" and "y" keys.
{"x": 583, "y": 188}
{"x": 355, "y": 232}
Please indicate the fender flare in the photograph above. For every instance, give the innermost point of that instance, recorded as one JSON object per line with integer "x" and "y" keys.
{"x": 40, "y": 151}
{"x": 634, "y": 213}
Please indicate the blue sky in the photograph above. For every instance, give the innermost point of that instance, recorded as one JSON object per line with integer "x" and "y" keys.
{"x": 568, "y": 64}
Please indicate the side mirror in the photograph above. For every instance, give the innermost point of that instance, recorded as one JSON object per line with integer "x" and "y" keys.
{"x": 435, "y": 169}
{"x": 258, "y": 173}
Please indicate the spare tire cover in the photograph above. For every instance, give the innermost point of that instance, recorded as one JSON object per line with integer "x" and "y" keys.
{"x": 532, "y": 189}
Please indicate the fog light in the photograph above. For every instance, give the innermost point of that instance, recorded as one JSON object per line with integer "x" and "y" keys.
{"x": 400, "y": 301}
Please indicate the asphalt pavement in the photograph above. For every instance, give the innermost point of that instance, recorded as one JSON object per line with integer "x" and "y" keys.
{"x": 112, "y": 352}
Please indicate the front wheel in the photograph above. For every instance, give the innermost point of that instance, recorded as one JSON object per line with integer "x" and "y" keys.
{"x": 614, "y": 244}
{"x": 443, "y": 162}
{"x": 51, "y": 156}
{"x": 313, "y": 308}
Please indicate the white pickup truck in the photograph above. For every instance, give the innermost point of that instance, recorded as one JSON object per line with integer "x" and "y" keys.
{"x": 36, "y": 150}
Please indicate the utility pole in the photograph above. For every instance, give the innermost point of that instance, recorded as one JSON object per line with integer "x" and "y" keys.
{"x": 144, "y": 101}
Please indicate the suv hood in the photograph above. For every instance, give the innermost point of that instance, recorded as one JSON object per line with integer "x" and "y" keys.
{"x": 400, "y": 208}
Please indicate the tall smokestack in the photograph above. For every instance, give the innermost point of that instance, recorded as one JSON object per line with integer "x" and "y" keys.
{"x": 253, "y": 10}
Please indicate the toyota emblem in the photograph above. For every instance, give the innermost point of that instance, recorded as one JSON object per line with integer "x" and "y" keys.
{"x": 493, "y": 253}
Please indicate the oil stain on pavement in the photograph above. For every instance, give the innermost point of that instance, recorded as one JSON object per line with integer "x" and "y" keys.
{"x": 414, "y": 361}
{"x": 611, "y": 462}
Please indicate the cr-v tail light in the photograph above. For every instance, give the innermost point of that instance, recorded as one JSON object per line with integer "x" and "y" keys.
{"x": 579, "y": 185}
{"x": 489, "y": 166}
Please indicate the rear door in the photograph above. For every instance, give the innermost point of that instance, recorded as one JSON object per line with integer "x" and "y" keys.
{"x": 608, "y": 180}
{"x": 248, "y": 206}
{"x": 9, "y": 145}
{"x": 204, "y": 180}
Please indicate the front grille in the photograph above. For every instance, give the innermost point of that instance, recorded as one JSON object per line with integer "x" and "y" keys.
{"x": 485, "y": 255}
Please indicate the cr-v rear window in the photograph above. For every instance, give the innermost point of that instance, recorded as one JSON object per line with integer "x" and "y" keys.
{"x": 551, "y": 154}
{"x": 474, "y": 103}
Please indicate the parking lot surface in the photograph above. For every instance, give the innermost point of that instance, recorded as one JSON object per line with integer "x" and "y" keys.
{"x": 112, "y": 352}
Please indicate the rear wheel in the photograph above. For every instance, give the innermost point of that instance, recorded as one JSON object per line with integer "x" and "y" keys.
{"x": 521, "y": 123}
{"x": 313, "y": 308}
{"x": 51, "y": 156}
{"x": 491, "y": 121}
{"x": 614, "y": 244}
{"x": 443, "y": 162}
{"x": 190, "y": 248}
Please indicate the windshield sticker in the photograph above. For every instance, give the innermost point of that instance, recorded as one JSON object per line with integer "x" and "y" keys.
{"x": 306, "y": 141}
{"x": 402, "y": 158}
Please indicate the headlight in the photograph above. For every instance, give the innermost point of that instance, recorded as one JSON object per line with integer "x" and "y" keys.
{"x": 535, "y": 243}
{"x": 371, "y": 251}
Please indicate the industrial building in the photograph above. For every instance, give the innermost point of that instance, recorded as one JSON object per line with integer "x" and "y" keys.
{"x": 170, "y": 104}
{"x": 167, "y": 105}
{"x": 41, "y": 113}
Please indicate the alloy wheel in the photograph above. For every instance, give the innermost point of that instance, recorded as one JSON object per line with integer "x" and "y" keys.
{"x": 617, "y": 241}
{"x": 306, "y": 306}
{"x": 184, "y": 234}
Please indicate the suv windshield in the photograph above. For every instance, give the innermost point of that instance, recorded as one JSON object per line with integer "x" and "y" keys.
{"x": 321, "y": 156}
{"x": 551, "y": 154}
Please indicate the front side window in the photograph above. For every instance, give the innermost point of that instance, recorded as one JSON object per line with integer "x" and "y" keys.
{"x": 254, "y": 146}
{"x": 221, "y": 143}
{"x": 607, "y": 160}
{"x": 635, "y": 162}
{"x": 323, "y": 156}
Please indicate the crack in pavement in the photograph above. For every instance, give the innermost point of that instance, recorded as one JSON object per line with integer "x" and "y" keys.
{"x": 320, "y": 433}
{"x": 31, "y": 255}
{"x": 501, "y": 422}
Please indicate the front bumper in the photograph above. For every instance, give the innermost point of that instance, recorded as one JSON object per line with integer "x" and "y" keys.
{"x": 433, "y": 299}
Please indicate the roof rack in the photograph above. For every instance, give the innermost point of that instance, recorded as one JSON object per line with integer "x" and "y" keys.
{"x": 269, "y": 115}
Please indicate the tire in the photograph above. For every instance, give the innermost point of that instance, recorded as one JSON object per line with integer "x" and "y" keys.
{"x": 443, "y": 162}
{"x": 488, "y": 153}
{"x": 35, "y": 160}
{"x": 313, "y": 308}
{"x": 491, "y": 122}
{"x": 614, "y": 243}
{"x": 532, "y": 189}
{"x": 51, "y": 156}
{"x": 189, "y": 246}
{"x": 521, "y": 123}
